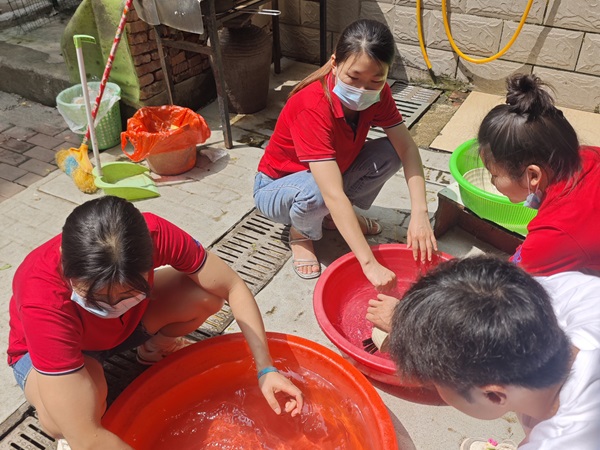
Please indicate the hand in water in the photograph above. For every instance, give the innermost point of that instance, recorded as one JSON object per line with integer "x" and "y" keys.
{"x": 274, "y": 382}
{"x": 381, "y": 311}
{"x": 382, "y": 278}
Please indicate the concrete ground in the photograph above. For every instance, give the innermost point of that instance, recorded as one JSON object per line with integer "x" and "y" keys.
{"x": 211, "y": 199}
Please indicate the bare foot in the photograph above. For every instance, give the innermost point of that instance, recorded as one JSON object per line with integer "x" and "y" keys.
{"x": 306, "y": 264}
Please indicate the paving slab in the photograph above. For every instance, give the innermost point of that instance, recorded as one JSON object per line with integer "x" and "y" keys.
{"x": 465, "y": 122}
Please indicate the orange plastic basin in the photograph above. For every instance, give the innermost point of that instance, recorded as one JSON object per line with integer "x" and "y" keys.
{"x": 207, "y": 396}
{"x": 340, "y": 302}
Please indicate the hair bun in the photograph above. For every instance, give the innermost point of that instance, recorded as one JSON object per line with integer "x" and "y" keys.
{"x": 526, "y": 95}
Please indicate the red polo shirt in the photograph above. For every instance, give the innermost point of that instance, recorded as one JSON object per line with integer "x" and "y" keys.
{"x": 45, "y": 322}
{"x": 563, "y": 236}
{"x": 312, "y": 128}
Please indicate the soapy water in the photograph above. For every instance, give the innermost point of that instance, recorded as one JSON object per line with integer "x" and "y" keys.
{"x": 353, "y": 323}
{"x": 237, "y": 418}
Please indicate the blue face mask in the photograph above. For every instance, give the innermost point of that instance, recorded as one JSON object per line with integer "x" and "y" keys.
{"x": 533, "y": 200}
{"x": 106, "y": 311}
{"x": 354, "y": 98}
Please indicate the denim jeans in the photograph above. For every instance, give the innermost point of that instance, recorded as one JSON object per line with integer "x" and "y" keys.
{"x": 23, "y": 366}
{"x": 296, "y": 199}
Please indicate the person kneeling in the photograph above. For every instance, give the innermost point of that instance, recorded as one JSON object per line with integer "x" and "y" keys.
{"x": 491, "y": 340}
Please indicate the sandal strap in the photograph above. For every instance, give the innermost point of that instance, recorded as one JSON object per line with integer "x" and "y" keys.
{"x": 305, "y": 262}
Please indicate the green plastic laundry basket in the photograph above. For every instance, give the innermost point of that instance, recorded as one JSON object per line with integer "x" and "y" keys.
{"x": 108, "y": 120}
{"x": 493, "y": 207}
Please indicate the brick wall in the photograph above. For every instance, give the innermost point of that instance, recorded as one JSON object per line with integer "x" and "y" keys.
{"x": 560, "y": 41}
{"x": 143, "y": 48}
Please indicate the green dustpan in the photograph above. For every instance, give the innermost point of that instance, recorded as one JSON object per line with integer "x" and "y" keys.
{"x": 126, "y": 180}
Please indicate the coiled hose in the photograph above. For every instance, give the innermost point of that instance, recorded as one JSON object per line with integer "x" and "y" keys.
{"x": 451, "y": 39}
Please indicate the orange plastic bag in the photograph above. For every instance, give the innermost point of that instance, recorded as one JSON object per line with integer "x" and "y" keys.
{"x": 160, "y": 129}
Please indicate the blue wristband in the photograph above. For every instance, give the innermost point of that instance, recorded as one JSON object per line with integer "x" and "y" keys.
{"x": 266, "y": 370}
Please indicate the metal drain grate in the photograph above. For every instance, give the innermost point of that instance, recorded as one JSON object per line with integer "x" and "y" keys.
{"x": 412, "y": 102}
{"x": 255, "y": 248}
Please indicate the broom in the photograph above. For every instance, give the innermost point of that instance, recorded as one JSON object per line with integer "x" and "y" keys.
{"x": 75, "y": 161}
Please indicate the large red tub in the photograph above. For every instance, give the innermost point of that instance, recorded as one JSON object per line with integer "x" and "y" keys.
{"x": 341, "y": 299}
{"x": 206, "y": 396}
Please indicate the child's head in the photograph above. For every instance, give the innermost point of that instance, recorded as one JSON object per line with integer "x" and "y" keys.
{"x": 366, "y": 40}
{"x": 477, "y": 322}
{"x": 528, "y": 131}
{"x": 366, "y": 37}
{"x": 106, "y": 245}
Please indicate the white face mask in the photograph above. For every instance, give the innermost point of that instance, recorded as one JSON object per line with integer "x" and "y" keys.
{"x": 354, "y": 98}
{"x": 106, "y": 311}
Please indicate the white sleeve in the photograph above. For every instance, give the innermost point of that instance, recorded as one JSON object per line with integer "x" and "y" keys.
{"x": 576, "y": 302}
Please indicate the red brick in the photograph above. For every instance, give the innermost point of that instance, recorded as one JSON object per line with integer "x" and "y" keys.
{"x": 147, "y": 79}
{"x": 155, "y": 55}
{"x": 182, "y": 76}
{"x": 159, "y": 75}
{"x": 152, "y": 66}
{"x": 150, "y": 91}
{"x": 138, "y": 38}
{"x": 132, "y": 15}
{"x": 144, "y": 58}
{"x": 146, "y": 47}
{"x": 136, "y": 27}
{"x": 178, "y": 58}
{"x": 196, "y": 60}
{"x": 180, "y": 68}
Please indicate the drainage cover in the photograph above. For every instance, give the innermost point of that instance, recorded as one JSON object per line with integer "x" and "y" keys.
{"x": 412, "y": 102}
{"x": 255, "y": 248}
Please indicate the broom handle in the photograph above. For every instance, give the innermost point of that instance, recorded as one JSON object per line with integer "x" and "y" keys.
{"x": 79, "y": 39}
{"x": 109, "y": 63}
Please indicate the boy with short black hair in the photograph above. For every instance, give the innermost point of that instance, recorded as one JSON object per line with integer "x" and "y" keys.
{"x": 492, "y": 339}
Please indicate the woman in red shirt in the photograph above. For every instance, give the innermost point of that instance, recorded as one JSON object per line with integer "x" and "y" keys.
{"x": 317, "y": 165}
{"x": 93, "y": 291}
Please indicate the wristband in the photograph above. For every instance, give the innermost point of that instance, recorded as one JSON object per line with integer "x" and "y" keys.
{"x": 265, "y": 371}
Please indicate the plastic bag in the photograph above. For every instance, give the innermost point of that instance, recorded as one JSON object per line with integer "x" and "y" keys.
{"x": 71, "y": 106}
{"x": 160, "y": 129}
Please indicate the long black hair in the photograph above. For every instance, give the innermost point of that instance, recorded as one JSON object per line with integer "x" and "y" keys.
{"x": 363, "y": 36}
{"x": 529, "y": 129}
{"x": 106, "y": 243}
{"x": 479, "y": 321}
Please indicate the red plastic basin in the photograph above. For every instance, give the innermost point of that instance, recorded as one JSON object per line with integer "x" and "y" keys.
{"x": 341, "y": 299}
{"x": 206, "y": 396}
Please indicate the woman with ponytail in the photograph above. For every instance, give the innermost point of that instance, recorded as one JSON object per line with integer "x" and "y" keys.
{"x": 318, "y": 164}
{"x": 533, "y": 155}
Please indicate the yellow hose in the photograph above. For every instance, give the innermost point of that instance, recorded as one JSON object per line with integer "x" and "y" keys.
{"x": 453, "y": 44}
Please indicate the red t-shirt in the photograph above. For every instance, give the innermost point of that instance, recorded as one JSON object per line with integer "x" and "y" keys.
{"x": 45, "y": 322}
{"x": 564, "y": 235}
{"x": 311, "y": 128}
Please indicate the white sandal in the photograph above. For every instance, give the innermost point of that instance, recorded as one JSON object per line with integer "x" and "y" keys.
{"x": 297, "y": 263}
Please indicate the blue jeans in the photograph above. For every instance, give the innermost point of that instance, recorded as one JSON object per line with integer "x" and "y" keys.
{"x": 296, "y": 199}
{"x": 24, "y": 365}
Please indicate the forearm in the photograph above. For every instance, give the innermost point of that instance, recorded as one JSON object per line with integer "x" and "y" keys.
{"x": 348, "y": 226}
{"x": 247, "y": 315}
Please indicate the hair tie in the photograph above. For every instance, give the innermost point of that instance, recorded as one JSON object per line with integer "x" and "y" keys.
{"x": 266, "y": 370}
